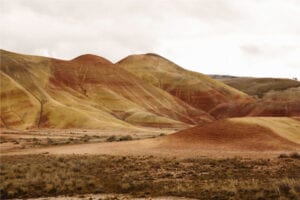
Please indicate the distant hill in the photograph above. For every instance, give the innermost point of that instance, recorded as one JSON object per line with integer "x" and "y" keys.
{"x": 217, "y": 76}
{"x": 275, "y": 97}
{"x": 260, "y": 86}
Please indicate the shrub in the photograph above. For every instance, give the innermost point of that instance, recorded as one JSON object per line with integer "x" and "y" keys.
{"x": 295, "y": 155}
{"x": 284, "y": 188}
{"x": 27, "y": 176}
{"x": 283, "y": 155}
{"x": 126, "y": 138}
{"x": 111, "y": 138}
{"x": 50, "y": 141}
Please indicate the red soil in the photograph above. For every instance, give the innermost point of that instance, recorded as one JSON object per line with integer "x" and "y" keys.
{"x": 202, "y": 100}
{"x": 228, "y": 135}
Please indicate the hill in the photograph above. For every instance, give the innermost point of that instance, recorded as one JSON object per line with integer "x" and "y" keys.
{"x": 274, "y": 97}
{"x": 196, "y": 89}
{"x": 260, "y": 86}
{"x": 86, "y": 92}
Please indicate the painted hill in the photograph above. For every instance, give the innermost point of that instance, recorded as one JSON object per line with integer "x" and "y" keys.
{"x": 274, "y": 97}
{"x": 86, "y": 92}
{"x": 289, "y": 94}
{"x": 260, "y": 86}
{"x": 196, "y": 89}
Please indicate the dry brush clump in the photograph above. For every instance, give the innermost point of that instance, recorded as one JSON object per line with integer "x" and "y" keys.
{"x": 294, "y": 155}
{"x": 203, "y": 178}
{"x": 114, "y": 138}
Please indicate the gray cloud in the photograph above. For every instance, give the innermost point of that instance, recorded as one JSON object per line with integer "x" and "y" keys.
{"x": 210, "y": 36}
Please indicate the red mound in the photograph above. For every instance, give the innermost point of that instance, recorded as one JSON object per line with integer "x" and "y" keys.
{"x": 229, "y": 135}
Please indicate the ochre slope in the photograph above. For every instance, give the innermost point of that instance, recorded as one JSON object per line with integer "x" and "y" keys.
{"x": 285, "y": 127}
{"x": 30, "y": 74}
{"x": 91, "y": 92}
{"x": 18, "y": 107}
{"x": 196, "y": 89}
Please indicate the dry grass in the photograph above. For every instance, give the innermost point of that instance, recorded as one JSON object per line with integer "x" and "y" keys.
{"x": 202, "y": 178}
{"x": 294, "y": 155}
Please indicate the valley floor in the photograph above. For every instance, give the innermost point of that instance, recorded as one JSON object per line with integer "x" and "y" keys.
{"x": 255, "y": 137}
{"x": 154, "y": 164}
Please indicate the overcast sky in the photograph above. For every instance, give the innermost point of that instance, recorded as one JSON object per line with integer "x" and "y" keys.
{"x": 238, "y": 37}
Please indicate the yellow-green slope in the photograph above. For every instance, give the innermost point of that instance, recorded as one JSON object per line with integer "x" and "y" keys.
{"x": 193, "y": 88}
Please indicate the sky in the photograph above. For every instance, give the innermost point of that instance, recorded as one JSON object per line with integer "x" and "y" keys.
{"x": 235, "y": 37}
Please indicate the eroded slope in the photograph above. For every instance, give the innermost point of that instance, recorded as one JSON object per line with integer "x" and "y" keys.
{"x": 196, "y": 89}
{"x": 88, "y": 92}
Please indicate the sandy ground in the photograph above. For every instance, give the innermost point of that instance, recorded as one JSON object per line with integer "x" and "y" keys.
{"x": 146, "y": 131}
{"x": 17, "y": 140}
{"x": 143, "y": 147}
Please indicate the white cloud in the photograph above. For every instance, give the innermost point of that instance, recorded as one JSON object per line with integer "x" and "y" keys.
{"x": 250, "y": 37}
